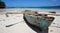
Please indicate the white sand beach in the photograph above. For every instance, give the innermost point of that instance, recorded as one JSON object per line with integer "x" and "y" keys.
{"x": 21, "y": 26}
{"x": 55, "y": 26}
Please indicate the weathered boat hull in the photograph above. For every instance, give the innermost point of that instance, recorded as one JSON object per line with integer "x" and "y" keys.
{"x": 39, "y": 22}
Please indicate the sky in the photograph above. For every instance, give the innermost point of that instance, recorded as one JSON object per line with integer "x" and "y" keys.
{"x": 31, "y": 3}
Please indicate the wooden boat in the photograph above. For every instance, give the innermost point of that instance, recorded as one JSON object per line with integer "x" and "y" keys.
{"x": 40, "y": 20}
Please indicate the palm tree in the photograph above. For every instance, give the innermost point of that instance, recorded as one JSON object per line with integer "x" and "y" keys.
{"x": 2, "y": 4}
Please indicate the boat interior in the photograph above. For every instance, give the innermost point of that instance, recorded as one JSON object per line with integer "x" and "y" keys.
{"x": 38, "y": 16}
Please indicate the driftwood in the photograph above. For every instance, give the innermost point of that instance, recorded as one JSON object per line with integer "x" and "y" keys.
{"x": 29, "y": 12}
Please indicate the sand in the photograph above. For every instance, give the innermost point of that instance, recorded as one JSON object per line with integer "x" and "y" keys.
{"x": 55, "y": 26}
{"x": 21, "y": 27}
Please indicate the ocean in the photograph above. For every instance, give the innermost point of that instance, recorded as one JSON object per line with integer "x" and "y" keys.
{"x": 36, "y": 9}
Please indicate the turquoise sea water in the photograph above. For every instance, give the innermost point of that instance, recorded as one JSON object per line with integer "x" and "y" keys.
{"x": 41, "y": 9}
{"x": 36, "y": 8}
